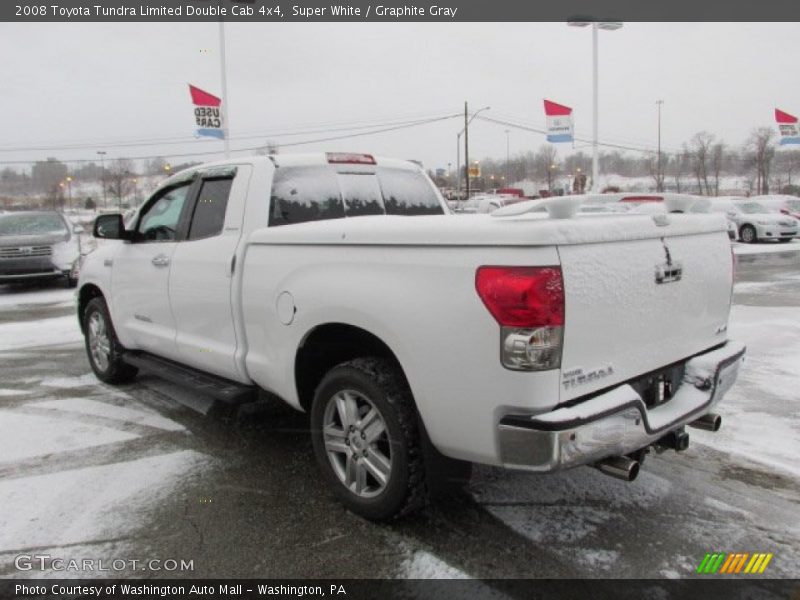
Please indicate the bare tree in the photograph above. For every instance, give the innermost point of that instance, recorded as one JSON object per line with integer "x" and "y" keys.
{"x": 700, "y": 145}
{"x": 545, "y": 164}
{"x": 119, "y": 179}
{"x": 762, "y": 151}
{"x": 787, "y": 163}
{"x": 679, "y": 166}
{"x": 717, "y": 159}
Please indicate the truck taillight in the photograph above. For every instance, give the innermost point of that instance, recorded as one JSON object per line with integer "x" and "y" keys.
{"x": 528, "y": 304}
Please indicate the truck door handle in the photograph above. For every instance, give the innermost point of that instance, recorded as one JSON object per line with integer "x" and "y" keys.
{"x": 160, "y": 261}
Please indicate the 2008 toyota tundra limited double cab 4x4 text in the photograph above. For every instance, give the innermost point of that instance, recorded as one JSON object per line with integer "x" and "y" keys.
{"x": 341, "y": 284}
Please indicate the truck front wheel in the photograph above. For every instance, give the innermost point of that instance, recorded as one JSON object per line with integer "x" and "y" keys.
{"x": 102, "y": 346}
{"x": 366, "y": 439}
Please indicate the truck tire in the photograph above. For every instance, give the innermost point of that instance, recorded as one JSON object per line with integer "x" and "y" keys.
{"x": 102, "y": 346}
{"x": 366, "y": 439}
{"x": 748, "y": 234}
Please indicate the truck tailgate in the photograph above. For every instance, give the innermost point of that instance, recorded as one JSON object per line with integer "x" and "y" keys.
{"x": 635, "y": 306}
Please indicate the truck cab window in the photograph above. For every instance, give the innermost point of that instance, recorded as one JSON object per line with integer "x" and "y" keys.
{"x": 408, "y": 193}
{"x": 301, "y": 194}
{"x": 209, "y": 211}
{"x": 361, "y": 194}
{"x": 159, "y": 222}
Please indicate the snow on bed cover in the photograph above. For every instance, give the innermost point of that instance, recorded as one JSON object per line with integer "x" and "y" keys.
{"x": 44, "y": 332}
{"x": 477, "y": 230}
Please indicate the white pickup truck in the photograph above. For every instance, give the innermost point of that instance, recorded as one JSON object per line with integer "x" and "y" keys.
{"x": 341, "y": 284}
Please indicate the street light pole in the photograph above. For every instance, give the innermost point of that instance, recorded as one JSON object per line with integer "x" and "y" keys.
{"x": 466, "y": 146}
{"x": 596, "y": 26}
{"x": 660, "y": 178}
{"x": 102, "y": 154}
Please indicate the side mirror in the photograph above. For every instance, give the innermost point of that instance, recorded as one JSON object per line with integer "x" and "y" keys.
{"x": 732, "y": 214}
{"x": 77, "y": 229}
{"x": 110, "y": 227}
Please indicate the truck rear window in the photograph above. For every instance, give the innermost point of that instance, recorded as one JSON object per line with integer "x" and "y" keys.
{"x": 313, "y": 193}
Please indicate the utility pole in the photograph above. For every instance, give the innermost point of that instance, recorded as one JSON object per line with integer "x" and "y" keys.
{"x": 466, "y": 145}
{"x": 224, "y": 77}
{"x": 660, "y": 175}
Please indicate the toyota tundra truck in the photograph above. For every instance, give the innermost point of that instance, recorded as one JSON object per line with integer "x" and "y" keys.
{"x": 341, "y": 284}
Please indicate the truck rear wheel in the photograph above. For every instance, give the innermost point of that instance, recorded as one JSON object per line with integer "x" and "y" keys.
{"x": 102, "y": 346}
{"x": 366, "y": 439}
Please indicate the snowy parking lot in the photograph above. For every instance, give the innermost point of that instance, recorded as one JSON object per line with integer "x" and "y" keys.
{"x": 138, "y": 472}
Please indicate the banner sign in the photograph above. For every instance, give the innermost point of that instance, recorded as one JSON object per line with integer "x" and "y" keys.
{"x": 207, "y": 113}
{"x": 559, "y": 122}
{"x": 787, "y": 126}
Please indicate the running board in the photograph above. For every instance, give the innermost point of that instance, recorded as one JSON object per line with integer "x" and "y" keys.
{"x": 229, "y": 392}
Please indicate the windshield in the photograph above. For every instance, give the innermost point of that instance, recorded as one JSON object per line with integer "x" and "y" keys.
{"x": 752, "y": 208}
{"x": 793, "y": 204}
{"x": 31, "y": 224}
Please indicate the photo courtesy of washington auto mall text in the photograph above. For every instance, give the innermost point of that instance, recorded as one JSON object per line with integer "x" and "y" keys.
{"x": 399, "y": 300}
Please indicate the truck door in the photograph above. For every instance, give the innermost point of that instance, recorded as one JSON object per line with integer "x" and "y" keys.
{"x": 201, "y": 288}
{"x": 140, "y": 278}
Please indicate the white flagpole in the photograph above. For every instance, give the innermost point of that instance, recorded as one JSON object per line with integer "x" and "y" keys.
{"x": 224, "y": 76}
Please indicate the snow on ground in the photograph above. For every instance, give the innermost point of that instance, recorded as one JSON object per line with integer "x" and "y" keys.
{"x": 571, "y": 508}
{"x": 25, "y": 436}
{"x": 424, "y": 565}
{"x": 45, "y": 332}
{"x": 92, "y": 504}
{"x": 140, "y": 414}
{"x": 766, "y": 247}
{"x": 12, "y": 298}
{"x": 755, "y": 410}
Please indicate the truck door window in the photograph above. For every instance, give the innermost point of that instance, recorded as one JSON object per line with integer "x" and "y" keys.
{"x": 361, "y": 194}
{"x": 159, "y": 222}
{"x": 209, "y": 211}
{"x": 301, "y": 194}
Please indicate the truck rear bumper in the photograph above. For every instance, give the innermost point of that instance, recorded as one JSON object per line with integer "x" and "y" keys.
{"x": 617, "y": 422}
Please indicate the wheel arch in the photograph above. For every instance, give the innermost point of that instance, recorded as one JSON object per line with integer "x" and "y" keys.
{"x": 328, "y": 345}
{"x": 86, "y": 294}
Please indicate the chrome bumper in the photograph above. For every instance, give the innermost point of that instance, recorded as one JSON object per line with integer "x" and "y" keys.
{"x": 617, "y": 422}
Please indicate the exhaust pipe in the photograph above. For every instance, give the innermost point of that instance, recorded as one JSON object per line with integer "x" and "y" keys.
{"x": 620, "y": 467}
{"x": 709, "y": 422}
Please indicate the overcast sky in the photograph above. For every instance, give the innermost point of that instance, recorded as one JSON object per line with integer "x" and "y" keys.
{"x": 105, "y": 84}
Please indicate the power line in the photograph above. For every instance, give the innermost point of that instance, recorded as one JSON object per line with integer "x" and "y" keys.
{"x": 253, "y": 148}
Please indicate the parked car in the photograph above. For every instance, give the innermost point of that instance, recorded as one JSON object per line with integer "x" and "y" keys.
{"x": 754, "y": 223}
{"x": 787, "y": 205}
{"x": 418, "y": 342}
{"x": 36, "y": 245}
{"x": 487, "y": 203}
